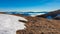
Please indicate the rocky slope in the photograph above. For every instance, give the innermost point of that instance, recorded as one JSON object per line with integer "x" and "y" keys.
{"x": 36, "y": 25}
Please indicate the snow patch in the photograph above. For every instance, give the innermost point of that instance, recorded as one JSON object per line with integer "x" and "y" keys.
{"x": 9, "y": 24}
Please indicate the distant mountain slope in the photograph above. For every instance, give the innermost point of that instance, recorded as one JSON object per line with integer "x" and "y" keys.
{"x": 26, "y": 13}
{"x": 52, "y": 14}
{"x": 49, "y": 15}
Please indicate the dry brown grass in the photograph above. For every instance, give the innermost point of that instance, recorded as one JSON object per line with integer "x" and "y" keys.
{"x": 37, "y": 25}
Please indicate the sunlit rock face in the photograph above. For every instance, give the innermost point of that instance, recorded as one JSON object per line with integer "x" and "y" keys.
{"x": 9, "y": 24}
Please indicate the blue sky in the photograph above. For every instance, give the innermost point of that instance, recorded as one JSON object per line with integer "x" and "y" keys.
{"x": 29, "y": 5}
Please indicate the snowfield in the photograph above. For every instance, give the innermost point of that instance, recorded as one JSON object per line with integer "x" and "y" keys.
{"x": 9, "y": 24}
